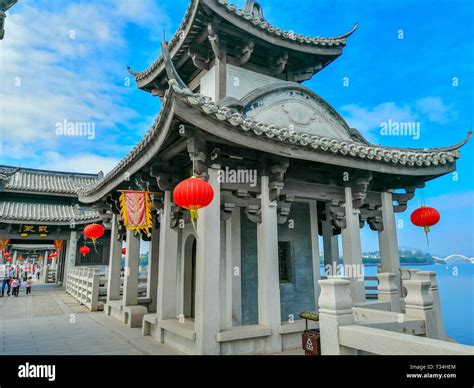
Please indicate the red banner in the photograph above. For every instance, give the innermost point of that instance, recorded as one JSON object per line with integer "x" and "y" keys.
{"x": 135, "y": 208}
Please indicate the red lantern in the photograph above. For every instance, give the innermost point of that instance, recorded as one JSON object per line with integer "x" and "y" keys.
{"x": 193, "y": 194}
{"x": 6, "y": 254}
{"x": 124, "y": 251}
{"x": 94, "y": 231}
{"x": 84, "y": 250}
{"x": 425, "y": 217}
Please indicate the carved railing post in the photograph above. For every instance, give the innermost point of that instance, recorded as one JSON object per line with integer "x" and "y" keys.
{"x": 335, "y": 310}
{"x": 419, "y": 304}
{"x": 388, "y": 290}
{"x": 430, "y": 276}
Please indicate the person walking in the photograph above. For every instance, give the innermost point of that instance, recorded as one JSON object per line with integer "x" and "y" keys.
{"x": 15, "y": 286}
{"x": 29, "y": 283}
{"x": 6, "y": 283}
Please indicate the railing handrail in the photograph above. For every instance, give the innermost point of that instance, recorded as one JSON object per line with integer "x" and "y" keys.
{"x": 385, "y": 342}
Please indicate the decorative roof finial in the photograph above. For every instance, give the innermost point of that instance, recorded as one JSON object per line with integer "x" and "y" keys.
{"x": 169, "y": 66}
{"x": 4, "y": 6}
{"x": 255, "y": 9}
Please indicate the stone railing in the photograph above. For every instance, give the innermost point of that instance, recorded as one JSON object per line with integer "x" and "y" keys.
{"x": 382, "y": 327}
{"x": 83, "y": 284}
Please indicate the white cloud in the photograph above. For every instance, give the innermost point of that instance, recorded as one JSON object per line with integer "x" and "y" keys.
{"x": 60, "y": 61}
{"x": 84, "y": 163}
{"x": 426, "y": 110}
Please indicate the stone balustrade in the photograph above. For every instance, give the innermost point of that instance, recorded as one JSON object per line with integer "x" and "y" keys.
{"x": 348, "y": 328}
{"x": 83, "y": 284}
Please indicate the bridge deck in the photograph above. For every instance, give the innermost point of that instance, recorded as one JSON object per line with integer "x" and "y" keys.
{"x": 49, "y": 321}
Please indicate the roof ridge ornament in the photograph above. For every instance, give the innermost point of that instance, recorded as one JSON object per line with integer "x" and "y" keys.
{"x": 170, "y": 69}
{"x": 255, "y": 9}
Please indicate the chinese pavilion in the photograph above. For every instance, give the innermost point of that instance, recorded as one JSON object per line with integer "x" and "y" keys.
{"x": 40, "y": 207}
{"x": 232, "y": 101}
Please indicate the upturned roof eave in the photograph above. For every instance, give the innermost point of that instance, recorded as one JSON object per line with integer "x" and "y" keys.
{"x": 325, "y": 46}
{"x": 176, "y": 105}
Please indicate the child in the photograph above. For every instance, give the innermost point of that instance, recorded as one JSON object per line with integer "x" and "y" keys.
{"x": 29, "y": 282}
{"x": 15, "y": 286}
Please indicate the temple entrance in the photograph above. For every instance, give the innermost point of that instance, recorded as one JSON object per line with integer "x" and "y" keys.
{"x": 189, "y": 277}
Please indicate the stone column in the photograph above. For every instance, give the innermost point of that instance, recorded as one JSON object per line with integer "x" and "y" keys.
{"x": 388, "y": 242}
{"x": 132, "y": 259}
{"x": 207, "y": 304}
{"x": 330, "y": 242}
{"x": 167, "y": 266}
{"x": 153, "y": 255}
{"x": 335, "y": 310}
{"x": 269, "y": 309}
{"x": 233, "y": 271}
{"x": 44, "y": 268}
{"x": 352, "y": 249}
{"x": 419, "y": 304}
{"x": 70, "y": 257}
{"x": 430, "y": 276}
{"x": 388, "y": 290}
{"x": 313, "y": 213}
{"x": 115, "y": 262}
{"x": 15, "y": 257}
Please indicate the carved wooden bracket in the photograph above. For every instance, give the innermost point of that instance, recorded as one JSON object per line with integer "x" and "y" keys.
{"x": 359, "y": 190}
{"x": 403, "y": 198}
{"x": 373, "y": 216}
{"x": 280, "y": 64}
{"x": 284, "y": 208}
{"x": 337, "y": 213}
{"x": 199, "y": 60}
{"x": 214, "y": 41}
{"x": 247, "y": 52}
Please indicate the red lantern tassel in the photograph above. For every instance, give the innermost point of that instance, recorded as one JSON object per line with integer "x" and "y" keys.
{"x": 427, "y": 230}
{"x": 194, "y": 216}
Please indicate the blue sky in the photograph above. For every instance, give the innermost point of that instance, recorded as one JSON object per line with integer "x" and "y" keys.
{"x": 67, "y": 61}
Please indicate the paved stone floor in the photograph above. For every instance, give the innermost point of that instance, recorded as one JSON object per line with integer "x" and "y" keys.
{"x": 52, "y": 322}
{"x": 49, "y": 321}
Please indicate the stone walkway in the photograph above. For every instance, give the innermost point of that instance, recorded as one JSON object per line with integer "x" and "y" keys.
{"x": 52, "y": 322}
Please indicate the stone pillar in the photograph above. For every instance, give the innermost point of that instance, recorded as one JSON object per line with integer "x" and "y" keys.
{"x": 15, "y": 257}
{"x": 313, "y": 213}
{"x": 330, "y": 242}
{"x": 352, "y": 249}
{"x": 233, "y": 314}
{"x": 430, "y": 276}
{"x": 153, "y": 255}
{"x": 419, "y": 304}
{"x": 115, "y": 262}
{"x": 269, "y": 309}
{"x": 44, "y": 268}
{"x": 388, "y": 290}
{"x": 388, "y": 242}
{"x": 132, "y": 259}
{"x": 70, "y": 257}
{"x": 207, "y": 304}
{"x": 335, "y": 310}
{"x": 167, "y": 266}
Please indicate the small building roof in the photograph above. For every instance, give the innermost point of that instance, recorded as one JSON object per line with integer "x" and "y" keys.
{"x": 25, "y": 180}
{"x": 37, "y": 213}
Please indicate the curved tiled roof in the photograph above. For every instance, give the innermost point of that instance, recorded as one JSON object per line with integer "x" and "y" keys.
{"x": 253, "y": 20}
{"x": 48, "y": 182}
{"x": 407, "y": 157}
{"x": 402, "y": 156}
{"x": 40, "y": 212}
